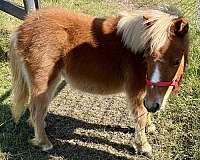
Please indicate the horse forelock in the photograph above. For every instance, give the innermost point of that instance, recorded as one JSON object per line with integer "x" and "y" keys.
{"x": 145, "y": 29}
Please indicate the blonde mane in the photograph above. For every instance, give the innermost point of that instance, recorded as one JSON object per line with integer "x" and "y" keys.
{"x": 146, "y": 27}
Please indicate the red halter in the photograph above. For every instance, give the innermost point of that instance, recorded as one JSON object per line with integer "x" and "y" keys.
{"x": 175, "y": 83}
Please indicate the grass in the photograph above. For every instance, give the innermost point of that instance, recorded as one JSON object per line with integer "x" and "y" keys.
{"x": 78, "y": 132}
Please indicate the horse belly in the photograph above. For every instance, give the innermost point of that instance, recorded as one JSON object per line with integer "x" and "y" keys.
{"x": 94, "y": 79}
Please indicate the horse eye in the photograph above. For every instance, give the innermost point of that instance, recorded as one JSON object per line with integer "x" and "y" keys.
{"x": 176, "y": 62}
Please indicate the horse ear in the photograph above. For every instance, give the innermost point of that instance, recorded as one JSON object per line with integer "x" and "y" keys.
{"x": 179, "y": 27}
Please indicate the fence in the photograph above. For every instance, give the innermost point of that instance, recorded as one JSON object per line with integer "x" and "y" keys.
{"x": 19, "y": 11}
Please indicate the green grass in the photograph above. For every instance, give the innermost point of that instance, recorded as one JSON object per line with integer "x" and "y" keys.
{"x": 178, "y": 126}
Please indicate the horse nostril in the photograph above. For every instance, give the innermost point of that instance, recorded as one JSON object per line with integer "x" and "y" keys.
{"x": 156, "y": 106}
{"x": 145, "y": 105}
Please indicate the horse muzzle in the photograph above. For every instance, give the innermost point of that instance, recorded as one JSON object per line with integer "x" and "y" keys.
{"x": 152, "y": 106}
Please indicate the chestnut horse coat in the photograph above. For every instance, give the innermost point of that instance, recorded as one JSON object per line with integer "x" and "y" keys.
{"x": 85, "y": 49}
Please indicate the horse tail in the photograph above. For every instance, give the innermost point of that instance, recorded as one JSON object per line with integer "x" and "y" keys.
{"x": 20, "y": 90}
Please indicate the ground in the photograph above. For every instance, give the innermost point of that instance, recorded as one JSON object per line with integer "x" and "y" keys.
{"x": 84, "y": 126}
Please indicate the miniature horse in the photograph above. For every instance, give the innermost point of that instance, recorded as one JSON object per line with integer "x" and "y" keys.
{"x": 141, "y": 53}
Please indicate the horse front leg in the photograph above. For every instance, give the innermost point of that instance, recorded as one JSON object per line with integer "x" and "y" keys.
{"x": 150, "y": 127}
{"x": 140, "y": 115}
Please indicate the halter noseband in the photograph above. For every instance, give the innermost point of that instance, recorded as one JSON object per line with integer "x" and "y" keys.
{"x": 175, "y": 83}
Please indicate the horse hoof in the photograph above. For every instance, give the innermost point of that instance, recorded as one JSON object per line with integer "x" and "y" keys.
{"x": 145, "y": 150}
{"x": 148, "y": 155}
{"x": 151, "y": 129}
{"x": 35, "y": 142}
{"x": 45, "y": 146}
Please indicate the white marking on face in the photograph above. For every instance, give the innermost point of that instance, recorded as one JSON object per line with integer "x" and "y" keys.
{"x": 156, "y": 75}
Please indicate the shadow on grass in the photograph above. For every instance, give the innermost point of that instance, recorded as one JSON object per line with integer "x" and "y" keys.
{"x": 14, "y": 139}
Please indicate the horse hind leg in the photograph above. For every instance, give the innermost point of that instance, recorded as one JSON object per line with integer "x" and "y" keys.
{"x": 51, "y": 91}
{"x": 41, "y": 95}
{"x": 38, "y": 110}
